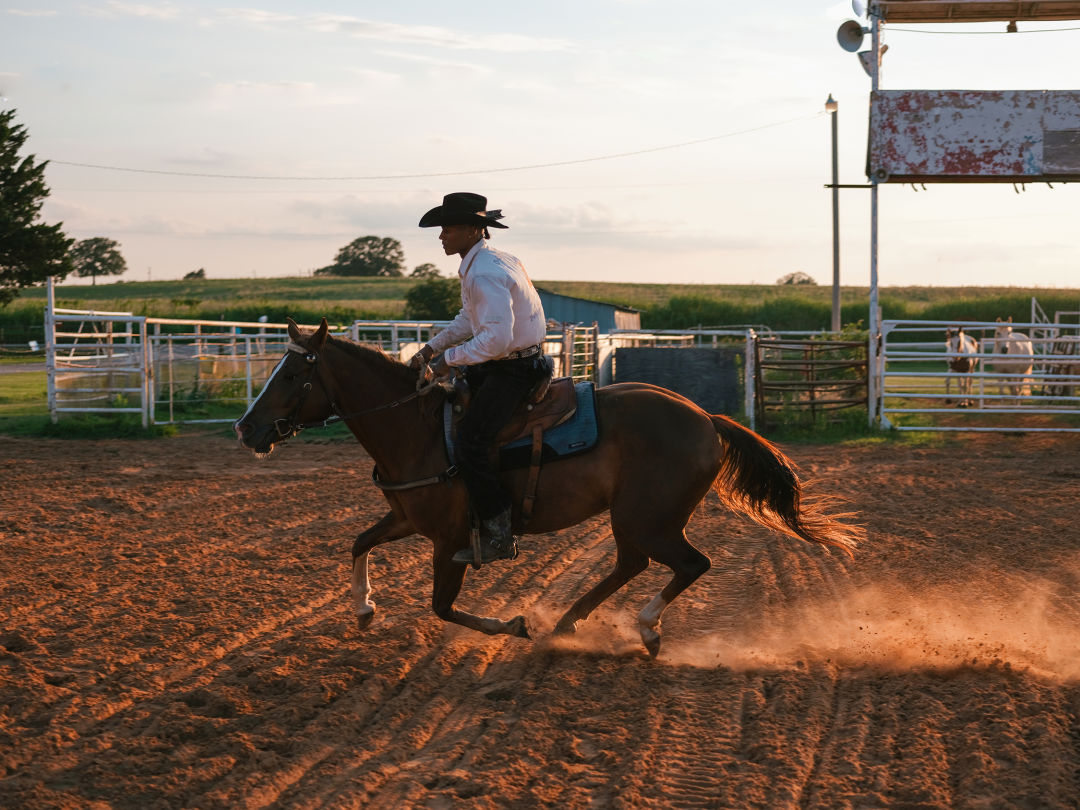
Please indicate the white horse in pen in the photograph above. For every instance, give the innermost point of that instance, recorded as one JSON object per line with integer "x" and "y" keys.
{"x": 962, "y": 351}
{"x": 1008, "y": 342}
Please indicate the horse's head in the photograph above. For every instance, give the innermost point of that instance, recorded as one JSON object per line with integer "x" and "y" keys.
{"x": 1003, "y": 329}
{"x": 291, "y": 397}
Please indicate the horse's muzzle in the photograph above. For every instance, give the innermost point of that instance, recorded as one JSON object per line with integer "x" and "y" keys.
{"x": 259, "y": 442}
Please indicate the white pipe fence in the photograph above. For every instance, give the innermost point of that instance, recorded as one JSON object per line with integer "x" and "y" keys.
{"x": 1035, "y": 390}
{"x": 173, "y": 371}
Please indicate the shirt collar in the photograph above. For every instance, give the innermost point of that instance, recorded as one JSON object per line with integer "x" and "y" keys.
{"x": 466, "y": 260}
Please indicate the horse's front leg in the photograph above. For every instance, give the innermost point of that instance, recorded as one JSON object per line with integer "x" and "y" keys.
{"x": 391, "y": 527}
{"x": 449, "y": 576}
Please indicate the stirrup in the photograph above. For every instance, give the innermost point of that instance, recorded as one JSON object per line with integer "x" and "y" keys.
{"x": 488, "y": 553}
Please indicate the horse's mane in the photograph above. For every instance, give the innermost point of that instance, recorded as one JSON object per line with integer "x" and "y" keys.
{"x": 375, "y": 358}
{"x": 371, "y": 354}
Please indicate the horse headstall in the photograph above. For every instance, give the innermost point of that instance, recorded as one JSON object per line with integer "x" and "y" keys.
{"x": 288, "y": 427}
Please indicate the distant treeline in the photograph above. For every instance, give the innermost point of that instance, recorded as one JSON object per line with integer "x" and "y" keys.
{"x": 797, "y": 312}
{"x": 340, "y": 301}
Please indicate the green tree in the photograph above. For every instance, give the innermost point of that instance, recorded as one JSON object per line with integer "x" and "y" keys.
{"x": 30, "y": 251}
{"x": 367, "y": 256}
{"x": 200, "y": 273}
{"x": 796, "y": 278}
{"x": 97, "y": 256}
{"x": 434, "y": 299}
{"x": 425, "y": 270}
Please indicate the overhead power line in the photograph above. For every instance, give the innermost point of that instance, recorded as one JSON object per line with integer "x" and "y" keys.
{"x": 526, "y": 167}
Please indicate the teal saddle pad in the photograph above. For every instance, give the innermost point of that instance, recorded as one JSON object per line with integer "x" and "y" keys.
{"x": 576, "y": 435}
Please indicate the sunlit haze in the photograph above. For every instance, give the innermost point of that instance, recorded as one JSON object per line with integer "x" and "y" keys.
{"x": 625, "y": 140}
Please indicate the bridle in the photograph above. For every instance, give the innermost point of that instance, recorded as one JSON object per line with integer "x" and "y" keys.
{"x": 288, "y": 427}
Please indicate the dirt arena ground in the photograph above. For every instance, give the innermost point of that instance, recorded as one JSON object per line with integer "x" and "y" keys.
{"x": 175, "y": 632}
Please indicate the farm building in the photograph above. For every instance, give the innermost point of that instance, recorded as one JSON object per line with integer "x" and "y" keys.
{"x": 567, "y": 309}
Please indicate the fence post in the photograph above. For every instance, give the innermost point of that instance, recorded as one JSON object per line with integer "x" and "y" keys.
{"x": 50, "y": 350}
{"x": 148, "y": 374}
{"x": 751, "y": 374}
{"x": 247, "y": 373}
{"x": 873, "y": 382}
{"x": 595, "y": 376}
{"x": 172, "y": 386}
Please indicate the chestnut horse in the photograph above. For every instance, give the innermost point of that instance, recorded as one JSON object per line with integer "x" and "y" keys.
{"x": 657, "y": 456}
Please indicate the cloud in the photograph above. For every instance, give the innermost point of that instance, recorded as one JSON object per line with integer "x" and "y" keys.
{"x": 161, "y": 11}
{"x": 19, "y": 12}
{"x": 439, "y": 66}
{"x": 396, "y": 33}
{"x": 293, "y": 93}
{"x": 257, "y": 16}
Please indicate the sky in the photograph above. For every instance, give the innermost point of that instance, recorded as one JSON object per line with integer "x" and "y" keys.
{"x": 653, "y": 141}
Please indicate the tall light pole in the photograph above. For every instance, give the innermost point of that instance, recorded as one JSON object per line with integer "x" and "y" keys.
{"x": 831, "y": 108}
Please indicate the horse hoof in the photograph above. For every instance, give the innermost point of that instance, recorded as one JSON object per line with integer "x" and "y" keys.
{"x": 651, "y": 639}
{"x": 364, "y": 620}
{"x": 518, "y": 628}
{"x": 565, "y": 629}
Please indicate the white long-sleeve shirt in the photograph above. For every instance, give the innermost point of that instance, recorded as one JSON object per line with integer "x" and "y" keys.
{"x": 500, "y": 310}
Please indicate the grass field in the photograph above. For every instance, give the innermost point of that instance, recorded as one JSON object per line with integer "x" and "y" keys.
{"x": 21, "y": 393}
{"x": 341, "y": 300}
{"x": 673, "y": 306}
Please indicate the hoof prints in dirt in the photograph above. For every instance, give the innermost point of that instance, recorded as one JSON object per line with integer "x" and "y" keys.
{"x": 173, "y": 642}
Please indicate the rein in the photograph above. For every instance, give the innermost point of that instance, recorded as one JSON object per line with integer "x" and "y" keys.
{"x": 292, "y": 427}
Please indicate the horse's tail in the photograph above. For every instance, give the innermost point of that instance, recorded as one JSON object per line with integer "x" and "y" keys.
{"x": 758, "y": 480}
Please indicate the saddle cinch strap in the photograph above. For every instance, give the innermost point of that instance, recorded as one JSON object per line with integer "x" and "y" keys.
{"x": 552, "y": 403}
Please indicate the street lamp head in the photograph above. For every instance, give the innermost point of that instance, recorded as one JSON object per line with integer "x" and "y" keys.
{"x": 830, "y": 104}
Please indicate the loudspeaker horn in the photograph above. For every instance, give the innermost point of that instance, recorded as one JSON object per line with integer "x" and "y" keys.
{"x": 866, "y": 59}
{"x": 859, "y": 7}
{"x": 850, "y": 35}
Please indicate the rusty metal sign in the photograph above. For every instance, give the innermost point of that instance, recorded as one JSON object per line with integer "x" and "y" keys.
{"x": 965, "y": 136}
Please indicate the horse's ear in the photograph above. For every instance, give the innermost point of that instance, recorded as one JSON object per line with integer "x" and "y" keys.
{"x": 294, "y": 330}
{"x": 1010, "y": 319}
{"x": 319, "y": 338}
{"x": 998, "y": 320}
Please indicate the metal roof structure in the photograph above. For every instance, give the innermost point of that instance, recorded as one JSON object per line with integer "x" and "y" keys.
{"x": 956, "y": 11}
{"x": 882, "y": 13}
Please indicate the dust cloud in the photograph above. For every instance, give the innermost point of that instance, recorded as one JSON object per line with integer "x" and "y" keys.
{"x": 1026, "y": 625}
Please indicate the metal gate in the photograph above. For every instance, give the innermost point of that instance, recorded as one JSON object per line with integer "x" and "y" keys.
{"x": 1036, "y": 389}
{"x": 95, "y": 362}
{"x": 813, "y": 376}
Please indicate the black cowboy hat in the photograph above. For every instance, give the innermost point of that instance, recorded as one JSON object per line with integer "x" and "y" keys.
{"x": 462, "y": 208}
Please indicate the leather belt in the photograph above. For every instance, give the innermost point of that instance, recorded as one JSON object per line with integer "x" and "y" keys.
{"x": 531, "y": 351}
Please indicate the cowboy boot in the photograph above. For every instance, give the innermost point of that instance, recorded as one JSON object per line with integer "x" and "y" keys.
{"x": 496, "y": 541}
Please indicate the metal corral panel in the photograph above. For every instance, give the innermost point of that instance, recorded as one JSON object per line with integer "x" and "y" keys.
{"x": 964, "y": 136}
{"x": 935, "y": 11}
{"x": 708, "y": 377}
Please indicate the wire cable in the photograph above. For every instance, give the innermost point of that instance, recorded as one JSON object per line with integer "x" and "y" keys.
{"x": 526, "y": 167}
{"x": 990, "y": 33}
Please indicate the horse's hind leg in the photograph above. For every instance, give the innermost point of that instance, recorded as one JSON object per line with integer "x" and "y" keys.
{"x": 629, "y": 563}
{"x": 687, "y": 564}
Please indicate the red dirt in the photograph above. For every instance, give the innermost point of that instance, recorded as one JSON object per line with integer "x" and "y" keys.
{"x": 175, "y": 631}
